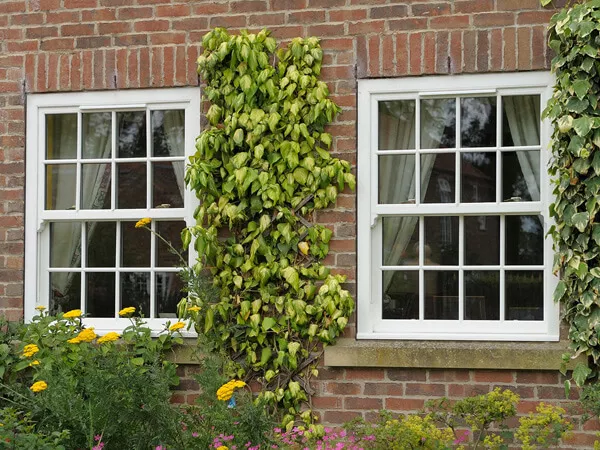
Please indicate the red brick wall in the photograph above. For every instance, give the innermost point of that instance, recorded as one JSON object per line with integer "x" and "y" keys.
{"x": 76, "y": 45}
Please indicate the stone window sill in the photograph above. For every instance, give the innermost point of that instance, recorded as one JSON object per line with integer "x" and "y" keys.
{"x": 447, "y": 355}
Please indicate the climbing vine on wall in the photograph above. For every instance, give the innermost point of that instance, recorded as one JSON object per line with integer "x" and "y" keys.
{"x": 261, "y": 169}
{"x": 574, "y": 36}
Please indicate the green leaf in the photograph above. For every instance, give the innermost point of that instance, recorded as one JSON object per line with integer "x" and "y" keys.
{"x": 581, "y": 88}
{"x": 565, "y": 123}
{"x": 559, "y": 292}
{"x": 583, "y": 125}
{"x": 580, "y": 220}
{"x": 137, "y": 361}
{"x": 238, "y": 136}
{"x": 291, "y": 276}
{"x": 268, "y": 323}
{"x": 581, "y": 373}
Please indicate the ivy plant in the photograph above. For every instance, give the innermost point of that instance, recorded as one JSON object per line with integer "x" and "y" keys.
{"x": 261, "y": 169}
{"x": 574, "y": 35}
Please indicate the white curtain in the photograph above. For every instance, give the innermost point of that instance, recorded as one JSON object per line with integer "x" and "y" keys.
{"x": 95, "y": 185}
{"x": 397, "y": 181}
{"x": 523, "y": 114}
{"x": 174, "y": 127}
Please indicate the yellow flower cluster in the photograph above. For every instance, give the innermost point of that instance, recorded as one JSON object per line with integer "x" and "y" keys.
{"x": 177, "y": 326}
{"x": 194, "y": 308}
{"x": 222, "y": 447}
{"x": 225, "y": 392}
{"x": 40, "y": 308}
{"x": 87, "y": 335}
{"x": 108, "y": 337}
{"x": 72, "y": 314}
{"x": 39, "y": 386}
{"x": 143, "y": 222}
{"x": 35, "y": 362}
{"x": 127, "y": 311}
{"x": 29, "y": 350}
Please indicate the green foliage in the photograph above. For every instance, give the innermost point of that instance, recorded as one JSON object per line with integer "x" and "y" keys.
{"x": 117, "y": 389}
{"x": 9, "y": 336}
{"x": 17, "y": 431}
{"x": 261, "y": 169}
{"x": 575, "y": 168}
{"x": 465, "y": 424}
{"x": 215, "y": 421}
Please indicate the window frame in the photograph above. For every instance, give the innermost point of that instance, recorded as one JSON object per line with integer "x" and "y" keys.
{"x": 369, "y": 229}
{"x": 37, "y": 232}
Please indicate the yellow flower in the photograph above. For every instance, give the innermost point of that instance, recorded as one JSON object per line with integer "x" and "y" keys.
{"x": 127, "y": 311}
{"x": 75, "y": 340}
{"x": 72, "y": 314}
{"x": 222, "y": 447}
{"x": 35, "y": 362}
{"x": 225, "y": 392}
{"x": 40, "y": 308}
{"x": 143, "y": 222}
{"x": 29, "y": 350}
{"x": 177, "y": 326}
{"x": 108, "y": 337}
{"x": 39, "y": 386}
{"x": 87, "y": 335}
{"x": 194, "y": 308}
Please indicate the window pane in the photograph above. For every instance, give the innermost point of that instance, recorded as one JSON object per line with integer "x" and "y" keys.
{"x": 61, "y": 136}
{"x": 482, "y": 240}
{"x": 131, "y": 190}
{"x": 168, "y": 293}
{"x": 61, "y": 182}
{"x": 524, "y": 293}
{"x": 397, "y": 179}
{"x": 520, "y": 120}
{"x": 96, "y": 139}
{"x": 135, "y": 291}
{"x": 400, "y": 295}
{"x": 65, "y": 244}
{"x": 478, "y": 122}
{"x": 95, "y": 186}
{"x": 441, "y": 295}
{"x": 101, "y": 239}
{"x": 135, "y": 245}
{"x": 168, "y": 133}
{"x": 168, "y": 184}
{"x": 437, "y": 178}
{"x": 131, "y": 140}
{"x": 400, "y": 241}
{"x": 100, "y": 294}
{"x": 438, "y": 123}
{"x": 521, "y": 176}
{"x": 441, "y": 240}
{"x": 524, "y": 240}
{"x": 482, "y": 295}
{"x": 171, "y": 232}
{"x": 478, "y": 177}
{"x": 65, "y": 291}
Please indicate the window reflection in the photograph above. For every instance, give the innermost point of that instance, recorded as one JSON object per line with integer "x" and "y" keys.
{"x": 438, "y": 123}
{"x": 478, "y": 122}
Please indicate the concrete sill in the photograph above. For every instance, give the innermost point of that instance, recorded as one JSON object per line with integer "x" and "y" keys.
{"x": 447, "y": 355}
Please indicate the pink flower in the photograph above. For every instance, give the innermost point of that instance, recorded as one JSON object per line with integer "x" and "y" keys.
{"x": 195, "y": 434}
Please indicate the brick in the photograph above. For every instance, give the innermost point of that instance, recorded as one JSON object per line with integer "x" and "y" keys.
{"x": 173, "y": 11}
{"x": 363, "y": 403}
{"x": 326, "y": 30}
{"x": 534, "y": 17}
{"x": 493, "y": 376}
{"x": 404, "y": 404}
{"x": 510, "y": 49}
{"x": 473, "y": 6}
{"x": 428, "y": 389}
{"x": 27, "y": 19}
{"x": 511, "y": 5}
{"x": 364, "y": 374}
{"x": 429, "y": 53}
{"x": 93, "y": 42}
{"x": 114, "y": 27}
{"x": 538, "y": 47}
{"x": 449, "y": 22}
{"x": 167, "y": 38}
{"x": 431, "y": 9}
{"x": 266, "y": 19}
{"x": 493, "y": 19}
{"x": 321, "y": 402}
{"x": 128, "y": 40}
{"x": 144, "y": 67}
{"x": 496, "y": 50}
{"x": 344, "y": 15}
{"x": 537, "y": 377}
{"x": 41, "y": 32}
{"x": 75, "y": 65}
{"x": 83, "y": 29}
{"x": 25, "y": 46}
{"x": 388, "y": 12}
{"x": 406, "y": 374}
{"x": 401, "y": 45}
{"x": 304, "y": 17}
{"x": 99, "y": 80}
{"x": 469, "y": 51}
{"x": 580, "y": 439}
{"x": 134, "y": 13}
{"x": 387, "y": 389}
{"x": 249, "y": 6}
{"x": 343, "y": 388}
{"x": 210, "y": 9}
{"x": 64, "y": 73}
{"x": 99, "y": 15}
{"x": 338, "y": 417}
{"x": 326, "y": 3}
{"x": 483, "y": 51}
{"x": 80, "y": 4}
{"x": 415, "y": 46}
{"x": 524, "y": 48}
{"x": 374, "y": 56}
{"x": 228, "y": 21}
{"x": 192, "y": 23}
{"x": 449, "y": 375}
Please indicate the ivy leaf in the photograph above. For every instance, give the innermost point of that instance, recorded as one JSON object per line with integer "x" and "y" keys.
{"x": 560, "y": 290}
{"x": 268, "y": 323}
{"x": 577, "y": 105}
{"x": 291, "y": 276}
{"x": 238, "y": 136}
{"x": 583, "y": 125}
{"x": 565, "y": 123}
{"x": 580, "y": 220}
{"x": 581, "y": 373}
{"x": 581, "y": 88}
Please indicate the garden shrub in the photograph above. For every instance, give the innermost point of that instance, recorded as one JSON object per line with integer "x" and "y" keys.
{"x": 112, "y": 390}
{"x": 261, "y": 170}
